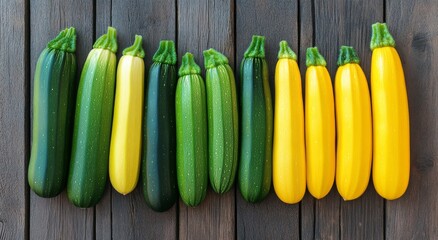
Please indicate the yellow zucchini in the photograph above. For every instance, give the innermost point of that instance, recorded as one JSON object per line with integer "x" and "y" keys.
{"x": 289, "y": 157}
{"x": 391, "y": 153}
{"x": 125, "y": 149}
{"x": 353, "y": 117}
{"x": 319, "y": 125}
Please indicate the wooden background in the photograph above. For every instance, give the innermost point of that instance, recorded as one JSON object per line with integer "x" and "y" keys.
{"x": 195, "y": 25}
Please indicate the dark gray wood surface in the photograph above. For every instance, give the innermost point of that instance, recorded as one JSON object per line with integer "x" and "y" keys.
{"x": 226, "y": 25}
{"x": 14, "y": 119}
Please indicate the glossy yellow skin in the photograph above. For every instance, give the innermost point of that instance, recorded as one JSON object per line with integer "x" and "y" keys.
{"x": 353, "y": 118}
{"x": 320, "y": 131}
{"x": 289, "y": 157}
{"x": 125, "y": 150}
{"x": 391, "y": 153}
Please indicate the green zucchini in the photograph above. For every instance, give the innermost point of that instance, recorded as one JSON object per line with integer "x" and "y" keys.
{"x": 159, "y": 151}
{"x": 257, "y": 124}
{"x": 92, "y": 129}
{"x": 53, "y": 108}
{"x": 222, "y": 121}
{"x": 191, "y": 133}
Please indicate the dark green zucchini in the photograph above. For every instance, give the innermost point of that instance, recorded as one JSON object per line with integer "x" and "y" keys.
{"x": 255, "y": 164}
{"x": 92, "y": 129}
{"x": 159, "y": 133}
{"x": 53, "y": 108}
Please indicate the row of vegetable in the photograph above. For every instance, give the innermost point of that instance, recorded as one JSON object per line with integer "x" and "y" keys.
{"x": 180, "y": 133}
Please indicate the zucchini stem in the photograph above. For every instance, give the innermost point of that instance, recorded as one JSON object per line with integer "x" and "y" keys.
{"x": 65, "y": 41}
{"x": 188, "y": 65}
{"x": 257, "y": 47}
{"x": 347, "y": 55}
{"x": 107, "y": 41}
{"x": 381, "y": 37}
{"x": 286, "y": 52}
{"x": 314, "y": 58}
{"x": 213, "y": 58}
{"x": 166, "y": 53}
{"x": 136, "y": 49}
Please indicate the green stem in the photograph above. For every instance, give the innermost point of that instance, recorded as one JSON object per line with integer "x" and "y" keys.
{"x": 213, "y": 58}
{"x": 166, "y": 53}
{"x": 108, "y": 40}
{"x": 381, "y": 37}
{"x": 257, "y": 47}
{"x": 136, "y": 49}
{"x": 347, "y": 54}
{"x": 314, "y": 58}
{"x": 65, "y": 41}
{"x": 286, "y": 52}
{"x": 188, "y": 65}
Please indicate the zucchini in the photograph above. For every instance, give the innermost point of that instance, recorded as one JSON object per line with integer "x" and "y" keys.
{"x": 159, "y": 131}
{"x": 353, "y": 116}
{"x": 319, "y": 125}
{"x": 222, "y": 121}
{"x": 125, "y": 148}
{"x": 53, "y": 108}
{"x": 191, "y": 133}
{"x": 92, "y": 128}
{"x": 289, "y": 153}
{"x": 391, "y": 137}
{"x": 257, "y": 126}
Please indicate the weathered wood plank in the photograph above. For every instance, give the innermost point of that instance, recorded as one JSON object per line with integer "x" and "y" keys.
{"x": 154, "y": 20}
{"x": 276, "y": 20}
{"x": 306, "y": 20}
{"x": 203, "y": 25}
{"x": 363, "y": 218}
{"x": 57, "y": 218}
{"x": 133, "y": 219}
{"x": 413, "y": 26}
{"x": 14, "y": 123}
{"x": 349, "y": 25}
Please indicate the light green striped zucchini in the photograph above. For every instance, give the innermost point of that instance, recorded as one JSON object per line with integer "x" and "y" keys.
{"x": 92, "y": 129}
{"x": 222, "y": 121}
{"x": 191, "y": 133}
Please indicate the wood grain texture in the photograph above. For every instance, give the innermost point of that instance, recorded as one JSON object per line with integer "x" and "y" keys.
{"x": 349, "y": 24}
{"x": 276, "y": 20}
{"x": 57, "y": 218}
{"x": 133, "y": 219}
{"x": 203, "y": 25}
{"x": 363, "y": 218}
{"x": 14, "y": 123}
{"x": 154, "y": 20}
{"x": 413, "y": 25}
{"x": 306, "y": 22}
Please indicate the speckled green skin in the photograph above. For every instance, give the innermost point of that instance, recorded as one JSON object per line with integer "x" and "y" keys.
{"x": 222, "y": 121}
{"x": 191, "y": 134}
{"x": 53, "y": 108}
{"x": 159, "y": 131}
{"x": 255, "y": 166}
{"x": 92, "y": 128}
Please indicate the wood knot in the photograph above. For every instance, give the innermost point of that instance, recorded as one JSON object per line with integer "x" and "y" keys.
{"x": 420, "y": 42}
{"x": 425, "y": 163}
